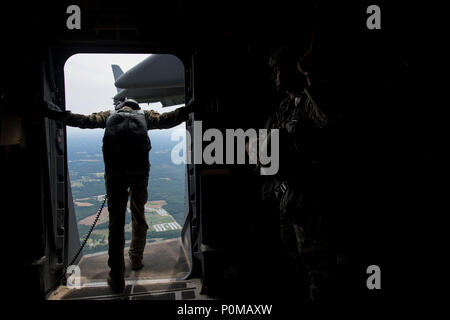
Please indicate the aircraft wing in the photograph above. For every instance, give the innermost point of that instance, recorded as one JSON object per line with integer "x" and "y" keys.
{"x": 159, "y": 78}
{"x": 167, "y": 96}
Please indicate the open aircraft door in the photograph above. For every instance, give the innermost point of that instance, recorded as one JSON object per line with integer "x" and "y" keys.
{"x": 190, "y": 233}
{"x": 60, "y": 229}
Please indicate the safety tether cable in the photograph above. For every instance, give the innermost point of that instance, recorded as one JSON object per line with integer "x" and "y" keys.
{"x": 57, "y": 282}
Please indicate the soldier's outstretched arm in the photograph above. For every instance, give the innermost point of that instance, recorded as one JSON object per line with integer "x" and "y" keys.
{"x": 168, "y": 119}
{"x": 95, "y": 120}
{"x": 92, "y": 121}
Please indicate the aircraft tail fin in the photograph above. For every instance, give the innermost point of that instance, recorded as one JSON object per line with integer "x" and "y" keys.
{"x": 117, "y": 72}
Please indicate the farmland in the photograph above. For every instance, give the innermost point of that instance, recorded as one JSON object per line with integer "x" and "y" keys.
{"x": 164, "y": 210}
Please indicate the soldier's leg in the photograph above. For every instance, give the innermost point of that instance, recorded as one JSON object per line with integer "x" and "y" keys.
{"x": 117, "y": 192}
{"x": 138, "y": 199}
{"x": 311, "y": 233}
{"x": 288, "y": 237}
{"x": 299, "y": 276}
{"x": 316, "y": 257}
{"x": 271, "y": 193}
{"x": 291, "y": 207}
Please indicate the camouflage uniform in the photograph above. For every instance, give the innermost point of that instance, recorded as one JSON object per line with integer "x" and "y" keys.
{"x": 117, "y": 186}
{"x": 296, "y": 185}
{"x": 98, "y": 119}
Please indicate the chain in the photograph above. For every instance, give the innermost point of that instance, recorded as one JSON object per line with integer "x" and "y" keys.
{"x": 58, "y": 281}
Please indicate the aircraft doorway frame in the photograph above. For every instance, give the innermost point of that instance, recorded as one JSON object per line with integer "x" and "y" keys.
{"x": 61, "y": 224}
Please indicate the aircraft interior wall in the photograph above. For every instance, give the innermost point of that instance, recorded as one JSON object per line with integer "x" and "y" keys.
{"x": 375, "y": 164}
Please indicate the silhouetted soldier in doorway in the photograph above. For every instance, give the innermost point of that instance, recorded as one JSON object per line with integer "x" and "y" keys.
{"x": 126, "y": 147}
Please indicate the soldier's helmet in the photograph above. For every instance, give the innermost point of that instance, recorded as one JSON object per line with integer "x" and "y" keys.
{"x": 284, "y": 60}
{"x": 133, "y": 104}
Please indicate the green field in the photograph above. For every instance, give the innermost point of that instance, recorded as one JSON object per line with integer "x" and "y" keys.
{"x": 166, "y": 183}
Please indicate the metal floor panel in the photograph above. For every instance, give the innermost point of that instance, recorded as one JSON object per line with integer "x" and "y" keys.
{"x": 162, "y": 260}
{"x": 135, "y": 290}
{"x": 161, "y": 278}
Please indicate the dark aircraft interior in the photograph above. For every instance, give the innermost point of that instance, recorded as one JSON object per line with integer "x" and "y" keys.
{"x": 380, "y": 150}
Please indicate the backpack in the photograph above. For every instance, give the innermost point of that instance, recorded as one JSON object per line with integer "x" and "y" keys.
{"x": 126, "y": 144}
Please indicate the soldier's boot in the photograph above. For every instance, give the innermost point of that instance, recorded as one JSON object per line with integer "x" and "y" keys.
{"x": 317, "y": 287}
{"x": 136, "y": 263}
{"x": 314, "y": 290}
{"x": 116, "y": 278}
{"x": 116, "y": 282}
{"x": 135, "y": 258}
{"x": 137, "y": 246}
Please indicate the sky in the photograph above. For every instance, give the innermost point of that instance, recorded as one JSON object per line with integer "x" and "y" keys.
{"x": 89, "y": 84}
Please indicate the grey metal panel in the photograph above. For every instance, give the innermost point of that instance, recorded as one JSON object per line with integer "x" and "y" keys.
{"x": 167, "y": 96}
{"x": 159, "y": 78}
{"x": 186, "y": 231}
{"x": 156, "y": 71}
{"x": 73, "y": 235}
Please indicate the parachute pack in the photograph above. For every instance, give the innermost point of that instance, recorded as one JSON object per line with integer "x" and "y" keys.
{"x": 126, "y": 144}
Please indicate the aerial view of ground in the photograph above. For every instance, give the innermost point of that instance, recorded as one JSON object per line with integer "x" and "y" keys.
{"x": 164, "y": 210}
